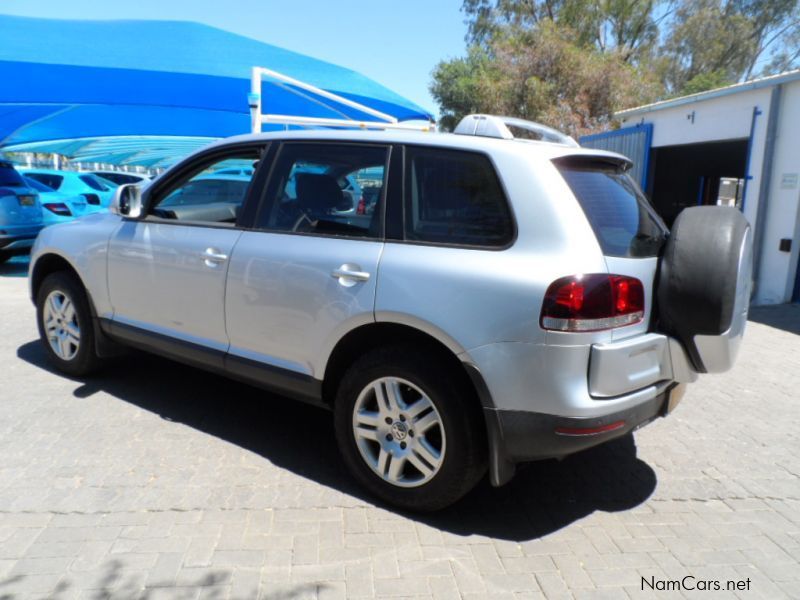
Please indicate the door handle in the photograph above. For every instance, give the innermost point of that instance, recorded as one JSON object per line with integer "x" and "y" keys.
{"x": 348, "y": 273}
{"x": 213, "y": 257}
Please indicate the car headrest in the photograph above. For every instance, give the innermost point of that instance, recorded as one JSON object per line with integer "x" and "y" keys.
{"x": 318, "y": 192}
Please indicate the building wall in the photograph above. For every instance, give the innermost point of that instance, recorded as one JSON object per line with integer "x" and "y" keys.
{"x": 778, "y": 269}
{"x": 730, "y": 117}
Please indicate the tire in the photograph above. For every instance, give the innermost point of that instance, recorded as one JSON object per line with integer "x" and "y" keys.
{"x": 704, "y": 284}
{"x": 4, "y": 257}
{"x": 450, "y": 452}
{"x": 62, "y": 310}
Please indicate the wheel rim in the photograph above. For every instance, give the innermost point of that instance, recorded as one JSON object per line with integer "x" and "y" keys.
{"x": 61, "y": 325}
{"x": 399, "y": 432}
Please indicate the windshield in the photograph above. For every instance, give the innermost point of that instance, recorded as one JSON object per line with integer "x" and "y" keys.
{"x": 625, "y": 223}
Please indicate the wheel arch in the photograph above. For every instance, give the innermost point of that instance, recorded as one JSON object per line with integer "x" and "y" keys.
{"x": 368, "y": 337}
{"x": 50, "y": 263}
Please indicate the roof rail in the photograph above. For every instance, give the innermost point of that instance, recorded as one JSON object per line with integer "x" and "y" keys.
{"x": 500, "y": 127}
{"x": 318, "y": 95}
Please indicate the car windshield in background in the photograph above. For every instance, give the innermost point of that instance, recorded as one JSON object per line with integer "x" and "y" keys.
{"x": 9, "y": 177}
{"x": 622, "y": 219}
{"x": 94, "y": 183}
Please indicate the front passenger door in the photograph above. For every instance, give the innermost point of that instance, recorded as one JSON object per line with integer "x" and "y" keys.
{"x": 166, "y": 273}
{"x": 308, "y": 273}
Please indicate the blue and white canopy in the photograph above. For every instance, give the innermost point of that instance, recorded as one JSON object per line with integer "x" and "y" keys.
{"x": 148, "y": 92}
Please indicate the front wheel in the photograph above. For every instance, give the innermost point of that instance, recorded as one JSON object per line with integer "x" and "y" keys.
{"x": 65, "y": 324}
{"x": 409, "y": 429}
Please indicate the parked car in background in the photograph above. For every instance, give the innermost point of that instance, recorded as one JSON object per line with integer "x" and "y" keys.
{"x": 57, "y": 207}
{"x": 211, "y": 197}
{"x": 244, "y": 171}
{"x": 20, "y": 213}
{"x": 88, "y": 185}
{"x": 118, "y": 177}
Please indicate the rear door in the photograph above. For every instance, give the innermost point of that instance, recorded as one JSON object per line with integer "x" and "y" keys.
{"x": 166, "y": 273}
{"x": 307, "y": 272}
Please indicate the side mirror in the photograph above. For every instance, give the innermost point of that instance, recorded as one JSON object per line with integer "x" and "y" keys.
{"x": 127, "y": 201}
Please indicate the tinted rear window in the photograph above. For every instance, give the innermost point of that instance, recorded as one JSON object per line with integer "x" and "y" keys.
{"x": 10, "y": 177}
{"x": 52, "y": 181}
{"x": 623, "y": 220}
{"x": 455, "y": 197}
{"x": 93, "y": 182}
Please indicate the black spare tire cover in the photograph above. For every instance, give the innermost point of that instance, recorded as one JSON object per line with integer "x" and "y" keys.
{"x": 703, "y": 289}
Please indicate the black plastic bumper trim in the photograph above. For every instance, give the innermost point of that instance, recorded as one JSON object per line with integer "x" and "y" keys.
{"x": 520, "y": 436}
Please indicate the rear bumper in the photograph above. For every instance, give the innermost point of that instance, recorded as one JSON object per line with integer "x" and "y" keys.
{"x": 20, "y": 240}
{"x": 521, "y": 436}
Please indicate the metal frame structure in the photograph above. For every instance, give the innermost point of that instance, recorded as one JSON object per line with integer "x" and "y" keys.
{"x": 257, "y": 118}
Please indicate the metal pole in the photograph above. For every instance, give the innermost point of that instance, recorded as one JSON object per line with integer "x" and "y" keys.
{"x": 254, "y": 100}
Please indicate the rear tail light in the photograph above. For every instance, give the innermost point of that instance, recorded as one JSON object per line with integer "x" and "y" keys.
{"x": 92, "y": 199}
{"x": 58, "y": 208}
{"x": 361, "y": 209}
{"x": 592, "y": 303}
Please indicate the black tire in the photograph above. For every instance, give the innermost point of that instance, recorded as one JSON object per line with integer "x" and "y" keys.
{"x": 706, "y": 267}
{"x": 85, "y": 359}
{"x": 464, "y": 459}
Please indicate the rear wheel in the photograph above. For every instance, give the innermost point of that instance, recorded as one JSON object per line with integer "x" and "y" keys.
{"x": 65, "y": 324}
{"x": 408, "y": 429}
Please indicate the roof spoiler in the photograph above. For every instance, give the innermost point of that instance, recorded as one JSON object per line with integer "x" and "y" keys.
{"x": 501, "y": 127}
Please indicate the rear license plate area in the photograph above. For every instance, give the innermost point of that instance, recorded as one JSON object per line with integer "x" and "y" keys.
{"x": 26, "y": 200}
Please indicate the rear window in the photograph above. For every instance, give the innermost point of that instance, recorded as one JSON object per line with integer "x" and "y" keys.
{"x": 93, "y": 182}
{"x": 455, "y": 197}
{"x": 625, "y": 223}
{"x": 10, "y": 177}
{"x": 50, "y": 180}
{"x": 37, "y": 185}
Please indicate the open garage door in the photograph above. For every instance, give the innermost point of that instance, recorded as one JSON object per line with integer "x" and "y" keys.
{"x": 633, "y": 142}
{"x": 711, "y": 173}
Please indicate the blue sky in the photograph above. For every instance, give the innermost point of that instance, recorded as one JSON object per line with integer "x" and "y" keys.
{"x": 395, "y": 43}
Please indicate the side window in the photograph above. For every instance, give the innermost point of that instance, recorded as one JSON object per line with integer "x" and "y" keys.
{"x": 454, "y": 197}
{"x": 213, "y": 195}
{"x": 322, "y": 189}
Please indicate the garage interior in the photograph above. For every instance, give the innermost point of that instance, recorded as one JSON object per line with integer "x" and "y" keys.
{"x": 696, "y": 174}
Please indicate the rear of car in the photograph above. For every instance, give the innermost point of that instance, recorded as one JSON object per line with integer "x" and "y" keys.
{"x": 607, "y": 363}
{"x": 57, "y": 207}
{"x": 96, "y": 194}
{"x": 20, "y": 213}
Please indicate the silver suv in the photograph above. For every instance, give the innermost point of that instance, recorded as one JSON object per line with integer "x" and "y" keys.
{"x": 507, "y": 299}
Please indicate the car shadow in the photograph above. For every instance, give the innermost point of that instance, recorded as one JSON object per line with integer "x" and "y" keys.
{"x": 779, "y": 316}
{"x": 543, "y": 497}
{"x": 15, "y": 267}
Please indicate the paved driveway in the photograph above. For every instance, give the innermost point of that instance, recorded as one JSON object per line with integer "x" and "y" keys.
{"x": 155, "y": 480}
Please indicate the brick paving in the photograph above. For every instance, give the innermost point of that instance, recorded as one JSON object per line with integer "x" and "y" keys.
{"x": 155, "y": 480}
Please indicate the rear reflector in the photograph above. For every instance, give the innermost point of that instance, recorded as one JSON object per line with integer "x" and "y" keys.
{"x": 590, "y": 430}
{"x": 592, "y": 303}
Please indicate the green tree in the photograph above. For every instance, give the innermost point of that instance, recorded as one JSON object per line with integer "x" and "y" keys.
{"x": 540, "y": 74}
{"x": 728, "y": 39}
{"x": 573, "y": 63}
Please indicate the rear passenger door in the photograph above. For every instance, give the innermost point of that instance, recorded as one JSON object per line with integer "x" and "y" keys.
{"x": 444, "y": 253}
{"x": 307, "y": 271}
